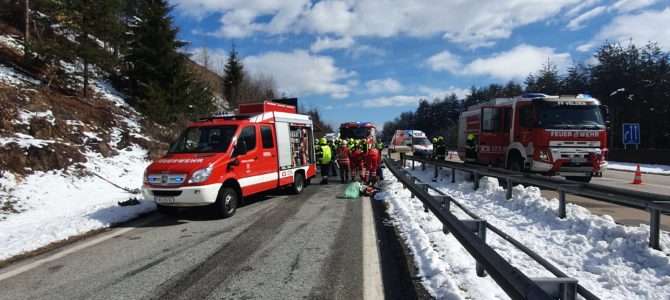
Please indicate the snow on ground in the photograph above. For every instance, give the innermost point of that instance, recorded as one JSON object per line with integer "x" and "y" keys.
{"x": 12, "y": 42}
{"x": 58, "y": 205}
{"x": 613, "y": 261}
{"x": 644, "y": 168}
{"x": 10, "y": 76}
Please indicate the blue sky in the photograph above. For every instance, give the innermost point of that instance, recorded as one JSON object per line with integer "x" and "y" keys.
{"x": 370, "y": 60}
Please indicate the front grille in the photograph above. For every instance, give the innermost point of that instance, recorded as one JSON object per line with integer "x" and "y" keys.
{"x": 160, "y": 193}
{"x": 166, "y": 179}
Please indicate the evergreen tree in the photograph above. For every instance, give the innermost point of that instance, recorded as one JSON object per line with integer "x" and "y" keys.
{"x": 546, "y": 81}
{"x": 233, "y": 76}
{"x": 161, "y": 85}
{"x": 576, "y": 81}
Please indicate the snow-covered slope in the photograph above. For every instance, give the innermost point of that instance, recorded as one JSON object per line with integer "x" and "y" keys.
{"x": 53, "y": 150}
{"x": 611, "y": 260}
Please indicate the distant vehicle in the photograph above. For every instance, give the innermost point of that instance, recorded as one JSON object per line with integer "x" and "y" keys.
{"x": 412, "y": 142}
{"x": 222, "y": 159}
{"x": 359, "y": 131}
{"x": 552, "y": 135}
{"x": 331, "y": 137}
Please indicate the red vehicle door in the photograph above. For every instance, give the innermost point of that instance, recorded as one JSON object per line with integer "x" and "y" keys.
{"x": 268, "y": 163}
{"x": 494, "y": 136}
{"x": 248, "y": 172}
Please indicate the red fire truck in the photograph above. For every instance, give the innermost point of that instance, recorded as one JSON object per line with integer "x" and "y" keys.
{"x": 552, "y": 135}
{"x": 222, "y": 159}
{"x": 358, "y": 131}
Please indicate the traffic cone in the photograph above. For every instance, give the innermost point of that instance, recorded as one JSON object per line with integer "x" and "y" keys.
{"x": 638, "y": 176}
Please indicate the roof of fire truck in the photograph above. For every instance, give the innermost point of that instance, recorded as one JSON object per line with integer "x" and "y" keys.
{"x": 265, "y": 111}
{"x": 529, "y": 97}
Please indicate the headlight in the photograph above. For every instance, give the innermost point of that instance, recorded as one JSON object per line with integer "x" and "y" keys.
{"x": 201, "y": 175}
{"x": 544, "y": 156}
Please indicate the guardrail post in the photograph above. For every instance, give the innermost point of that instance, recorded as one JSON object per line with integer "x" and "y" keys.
{"x": 423, "y": 166}
{"x": 412, "y": 164}
{"x": 654, "y": 228}
{"x": 561, "y": 204}
{"x": 477, "y": 226}
{"x": 475, "y": 177}
{"x": 563, "y": 288}
{"x": 453, "y": 175}
{"x": 509, "y": 188}
{"x": 436, "y": 173}
{"x": 424, "y": 187}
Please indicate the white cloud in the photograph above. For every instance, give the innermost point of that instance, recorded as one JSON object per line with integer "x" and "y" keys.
{"x": 398, "y": 101}
{"x": 327, "y": 43}
{"x": 424, "y": 93}
{"x": 433, "y": 93}
{"x": 578, "y": 22}
{"x": 388, "y": 85}
{"x": 577, "y": 9}
{"x": 300, "y": 73}
{"x": 516, "y": 63}
{"x": 471, "y": 23}
{"x": 651, "y": 25}
{"x": 631, "y": 5}
{"x": 444, "y": 61}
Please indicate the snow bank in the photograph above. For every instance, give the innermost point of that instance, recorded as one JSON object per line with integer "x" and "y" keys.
{"x": 58, "y": 205}
{"x": 611, "y": 260}
{"x": 645, "y": 168}
{"x": 10, "y": 76}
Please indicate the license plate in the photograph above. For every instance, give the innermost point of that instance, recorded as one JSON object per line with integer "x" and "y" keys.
{"x": 579, "y": 159}
{"x": 164, "y": 199}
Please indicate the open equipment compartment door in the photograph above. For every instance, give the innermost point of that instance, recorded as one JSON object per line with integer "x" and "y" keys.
{"x": 284, "y": 145}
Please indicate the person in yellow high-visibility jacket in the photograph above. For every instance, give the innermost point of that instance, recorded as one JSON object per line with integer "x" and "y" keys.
{"x": 325, "y": 155}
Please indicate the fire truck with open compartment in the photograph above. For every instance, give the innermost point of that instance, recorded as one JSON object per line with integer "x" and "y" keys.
{"x": 552, "y": 135}
{"x": 220, "y": 160}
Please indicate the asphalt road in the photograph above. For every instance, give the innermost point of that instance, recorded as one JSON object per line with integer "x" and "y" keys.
{"x": 309, "y": 246}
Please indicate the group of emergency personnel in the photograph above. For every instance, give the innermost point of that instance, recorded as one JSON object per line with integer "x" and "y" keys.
{"x": 353, "y": 159}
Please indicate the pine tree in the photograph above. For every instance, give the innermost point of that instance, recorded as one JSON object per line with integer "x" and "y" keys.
{"x": 233, "y": 76}
{"x": 161, "y": 85}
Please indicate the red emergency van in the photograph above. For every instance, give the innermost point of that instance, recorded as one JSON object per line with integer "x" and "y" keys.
{"x": 220, "y": 160}
{"x": 552, "y": 135}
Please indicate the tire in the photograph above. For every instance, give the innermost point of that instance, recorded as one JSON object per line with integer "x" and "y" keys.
{"x": 226, "y": 202}
{"x": 298, "y": 183}
{"x": 515, "y": 164}
{"x": 585, "y": 179}
{"x": 167, "y": 210}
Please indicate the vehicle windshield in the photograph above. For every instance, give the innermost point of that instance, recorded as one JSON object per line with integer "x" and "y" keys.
{"x": 422, "y": 141}
{"x": 204, "y": 139}
{"x": 557, "y": 116}
{"x": 355, "y": 132}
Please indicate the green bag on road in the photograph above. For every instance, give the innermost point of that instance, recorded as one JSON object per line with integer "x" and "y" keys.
{"x": 353, "y": 190}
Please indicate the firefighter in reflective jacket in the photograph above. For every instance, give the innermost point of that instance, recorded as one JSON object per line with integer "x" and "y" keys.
{"x": 356, "y": 159}
{"x": 440, "y": 152}
{"x": 343, "y": 160}
{"x": 471, "y": 148}
{"x": 372, "y": 165}
{"x": 325, "y": 155}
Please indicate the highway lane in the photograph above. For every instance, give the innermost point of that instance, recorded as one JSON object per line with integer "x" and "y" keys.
{"x": 651, "y": 183}
{"x": 278, "y": 247}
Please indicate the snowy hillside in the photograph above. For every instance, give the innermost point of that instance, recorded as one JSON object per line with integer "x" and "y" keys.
{"x": 58, "y": 155}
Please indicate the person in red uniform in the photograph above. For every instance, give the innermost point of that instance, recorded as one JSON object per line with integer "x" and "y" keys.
{"x": 372, "y": 159}
{"x": 344, "y": 161}
{"x": 356, "y": 158}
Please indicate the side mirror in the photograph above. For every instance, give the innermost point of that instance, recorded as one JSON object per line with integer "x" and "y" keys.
{"x": 241, "y": 148}
{"x": 605, "y": 110}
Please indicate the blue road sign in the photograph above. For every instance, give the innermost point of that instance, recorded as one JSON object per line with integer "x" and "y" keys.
{"x": 631, "y": 133}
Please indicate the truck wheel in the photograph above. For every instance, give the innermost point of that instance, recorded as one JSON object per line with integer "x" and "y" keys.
{"x": 167, "y": 210}
{"x": 515, "y": 164}
{"x": 227, "y": 202}
{"x": 585, "y": 179}
{"x": 298, "y": 183}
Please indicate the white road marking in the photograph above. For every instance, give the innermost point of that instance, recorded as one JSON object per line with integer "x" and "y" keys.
{"x": 84, "y": 245}
{"x": 372, "y": 278}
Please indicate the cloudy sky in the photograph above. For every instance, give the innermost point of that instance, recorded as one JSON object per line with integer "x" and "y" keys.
{"x": 369, "y": 60}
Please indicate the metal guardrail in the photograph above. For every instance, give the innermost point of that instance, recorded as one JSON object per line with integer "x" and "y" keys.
{"x": 472, "y": 235}
{"x": 655, "y": 204}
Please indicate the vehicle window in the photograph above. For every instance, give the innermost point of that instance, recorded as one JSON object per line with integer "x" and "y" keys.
{"x": 490, "y": 119}
{"x": 248, "y": 134}
{"x": 556, "y": 116}
{"x": 266, "y": 135}
{"x": 204, "y": 139}
{"x": 508, "y": 119}
{"x": 526, "y": 116}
